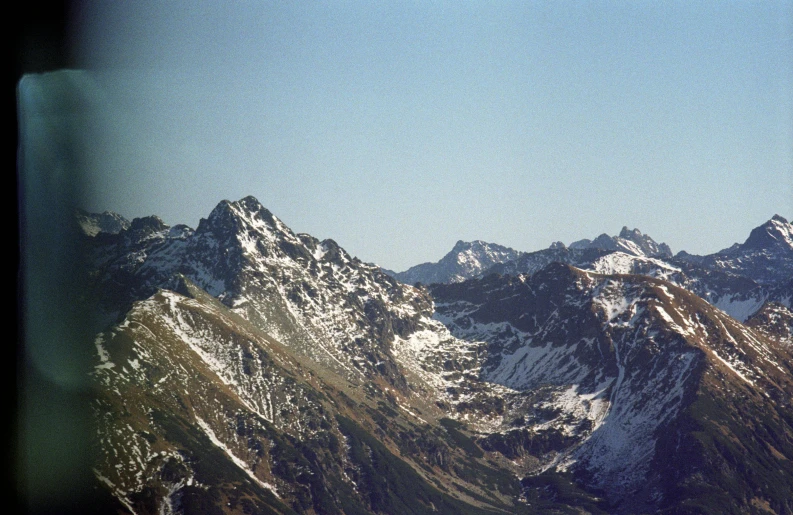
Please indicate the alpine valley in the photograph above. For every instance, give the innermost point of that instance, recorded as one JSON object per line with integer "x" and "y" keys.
{"x": 243, "y": 368}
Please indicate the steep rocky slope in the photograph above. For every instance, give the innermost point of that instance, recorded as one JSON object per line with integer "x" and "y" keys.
{"x": 243, "y": 368}
{"x": 200, "y": 412}
{"x": 328, "y": 305}
{"x": 774, "y": 321}
{"x": 622, "y": 370}
{"x": 252, "y": 369}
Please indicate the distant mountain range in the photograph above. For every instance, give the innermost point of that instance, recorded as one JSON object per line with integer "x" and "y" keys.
{"x": 243, "y": 368}
{"x": 738, "y": 279}
{"x": 472, "y": 259}
{"x": 464, "y": 261}
{"x": 765, "y": 256}
{"x": 631, "y": 242}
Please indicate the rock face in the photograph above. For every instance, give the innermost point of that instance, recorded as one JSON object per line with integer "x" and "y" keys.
{"x": 253, "y": 369}
{"x": 249, "y": 369}
{"x": 738, "y": 280}
{"x": 92, "y": 224}
{"x": 774, "y": 321}
{"x": 623, "y": 371}
{"x": 331, "y": 306}
{"x": 629, "y": 241}
{"x": 200, "y": 412}
{"x": 766, "y": 256}
{"x": 464, "y": 261}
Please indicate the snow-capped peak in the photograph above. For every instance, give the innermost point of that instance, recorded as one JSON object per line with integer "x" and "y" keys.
{"x": 775, "y": 232}
{"x": 629, "y": 241}
{"x": 464, "y": 261}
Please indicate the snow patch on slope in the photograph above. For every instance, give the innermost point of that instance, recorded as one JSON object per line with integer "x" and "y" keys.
{"x": 238, "y": 462}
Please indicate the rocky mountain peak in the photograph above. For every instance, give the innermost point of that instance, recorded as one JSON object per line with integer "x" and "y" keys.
{"x": 464, "y": 261}
{"x": 248, "y": 354}
{"x": 221, "y": 215}
{"x": 332, "y": 252}
{"x": 145, "y": 228}
{"x": 250, "y": 203}
{"x": 254, "y": 208}
{"x": 107, "y": 222}
{"x": 244, "y": 215}
{"x": 630, "y": 241}
{"x": 765, "y": 257}
{"x": 148, "y": 224}
{"x": 245, "y": 207}
{"x": 461, "y": 246}
{"x": 629, "y": 234}
{"x": 475, "y": 246}
{"x": 775, "y": 232}
{"x": 180, "y": 231}
{"x": 606, "y": 242}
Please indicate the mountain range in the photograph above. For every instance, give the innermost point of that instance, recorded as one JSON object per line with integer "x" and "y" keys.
{"x": 243, "y": 368}
{"x": 738, "y": 280}
{"x": 464, "y": 261}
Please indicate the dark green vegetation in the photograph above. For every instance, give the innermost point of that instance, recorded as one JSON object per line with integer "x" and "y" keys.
{"x": 731, "y": 460}
{"x": 552, "y": 492}
{"x": 459, "y": 439}
{"x": 519, "y": 442}
{"x": 390, "y": 484}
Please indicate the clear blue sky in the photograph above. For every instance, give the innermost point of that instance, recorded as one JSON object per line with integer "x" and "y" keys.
{"x": 398, "y": 129}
